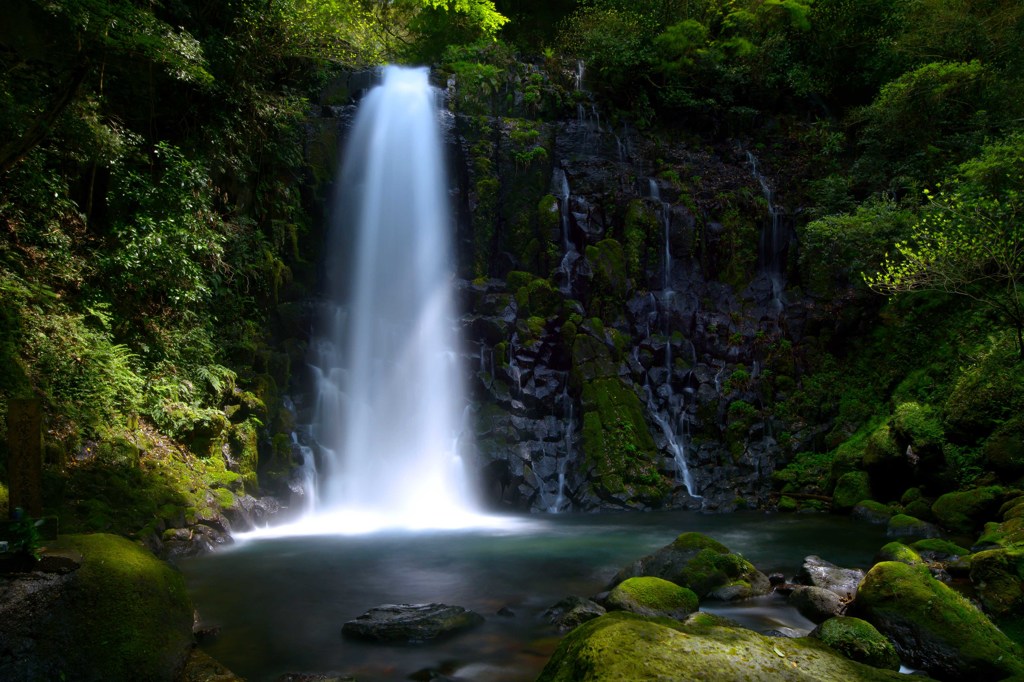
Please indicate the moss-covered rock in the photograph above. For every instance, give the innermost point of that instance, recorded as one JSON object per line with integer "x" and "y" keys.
{"x": 897, "y": 551}
{"x": 933, "y": 627}
{"x": 939, "y": 549}
{"x": 702, "y": 564}
{"x": 618, "y": 445}
{"x": 1004, "y": 449}
{"x": 122, "y": 615}
{"x": 965, "y": 511}
{"x": 998, "y": 578}
{"x": 851, "y": 489}
{"x": 904, "y": 526}
{"x": 649, "y": 596}
{"x": 858, "y": 640}
{"x": 871, "y": 512}
{"x": 624, "y": 646}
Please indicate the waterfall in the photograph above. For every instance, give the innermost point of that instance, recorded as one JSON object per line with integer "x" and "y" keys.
{"x": 390, "y": 394}
{"x": 774, "y": 238}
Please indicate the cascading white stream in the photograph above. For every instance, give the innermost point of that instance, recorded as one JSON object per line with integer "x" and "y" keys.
{"x": 390, "y": 390}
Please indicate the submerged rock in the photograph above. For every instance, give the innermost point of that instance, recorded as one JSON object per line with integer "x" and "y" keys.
{"x": 650, "y": 596}
{"x": 623, "y": 646}
{"x": 702, "y": 564}
{"x": 933, "y": 627}
{"x": 859, "y": 641}
{"x": 820, "y": 573}
{"x": 410, "y": 622}
{"x": 572, "y": 612}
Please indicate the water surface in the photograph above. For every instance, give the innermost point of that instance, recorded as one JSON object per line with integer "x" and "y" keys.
{"x": 280, "y": 603}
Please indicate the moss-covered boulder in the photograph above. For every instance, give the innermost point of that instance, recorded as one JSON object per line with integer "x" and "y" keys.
{"x": 624, "y": 646}
{"x": 966, "y": 511}
{"x": 906, "y": 526}
{"x": 122, "y": 615}
{"x": 702, "y": 564}
{"x": 871, "y": 512}
{"x": 897, "y": 551}
{"x": 1004, "y": 449}
{"x": 851, "y": 489}
{"x": 998, "y": 578}
{"x": 933, "y": 627}
{"x": 937, "y": 549}
{"x": 859, "y": 641}
{"x": 649, "y": 596}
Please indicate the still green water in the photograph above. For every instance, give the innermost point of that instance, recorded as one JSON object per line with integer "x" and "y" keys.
{"x": 280, "y": 603}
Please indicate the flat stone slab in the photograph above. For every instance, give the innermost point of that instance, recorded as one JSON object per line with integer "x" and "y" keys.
{"x": 410, "y": 622}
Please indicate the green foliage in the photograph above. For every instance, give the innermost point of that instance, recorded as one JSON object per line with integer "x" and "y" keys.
{"x": 807, "y": 473}
{"x": 23, "y": 535}
{"x": 970, "y": 239}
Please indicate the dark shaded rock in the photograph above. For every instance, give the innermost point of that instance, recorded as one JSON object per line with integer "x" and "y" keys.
{"x": 816, "y": 604}
{"x": 201, "y": 667}
{"x": 315, "y": 677}
{"x": 506, "y": 612}
{"x": 573, "y": 611}
{"x": 904, "y": 526}
{"x": 871, "y": 512}
{"x": 859, "y": 641}
{"x": 702, "y": 564}
{"x": 933, "y": 627}
{"x": 410, "y": 622}
{"x": 820, "y": 573}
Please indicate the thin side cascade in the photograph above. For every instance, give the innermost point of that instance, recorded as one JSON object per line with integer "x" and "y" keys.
{"x": 390, "y": 394}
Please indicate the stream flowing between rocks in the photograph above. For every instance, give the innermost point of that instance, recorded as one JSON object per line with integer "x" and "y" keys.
{"x": 280, "y": 603}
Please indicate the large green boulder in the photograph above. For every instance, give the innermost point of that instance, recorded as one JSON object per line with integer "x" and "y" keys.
{"x": 623, "y": 646}
{"x": 998, "y": 578}
{"x": 858, "y": 640}
{"x": 650, "y": 596}
{"x": 897, "y": 551}
{"x": 122, "y": 614}
{"x": 966, "y": 511}
{"x": 851, "y": 489}
{"x": 933, "y": 627}
{"x": 702, "y": 564}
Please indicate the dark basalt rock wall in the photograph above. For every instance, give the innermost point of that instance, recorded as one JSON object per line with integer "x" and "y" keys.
{"x": 627, "y": 309}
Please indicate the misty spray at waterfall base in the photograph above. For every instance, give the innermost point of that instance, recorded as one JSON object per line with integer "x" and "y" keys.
{"x": 390, "y": 405}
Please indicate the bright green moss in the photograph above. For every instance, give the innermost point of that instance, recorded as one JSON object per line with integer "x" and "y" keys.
{"x": 897, "y": 551}
{"x": 127, "y": 615}
{"x": 922, "y": 614}
{"x": 698, "y": 541}
{"x": 962, "y": 512}
{"x": 858, "y": 640}
{"x": 652, "y": 596}
{"x": 940, "y": 546}
{"x": 851, "y": 489}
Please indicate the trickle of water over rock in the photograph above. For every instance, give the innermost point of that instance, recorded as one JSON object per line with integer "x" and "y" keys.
{"x": 390, "y": 391}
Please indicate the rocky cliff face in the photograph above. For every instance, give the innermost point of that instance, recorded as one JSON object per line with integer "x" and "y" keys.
{"x": 627, "y": 325}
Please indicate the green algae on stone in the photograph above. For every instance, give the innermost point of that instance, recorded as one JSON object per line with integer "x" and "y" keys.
{"x": 852, "y": 487}
{"x": 998, "y": 578}
{"x": 858, "y": 640}
{"x": 933, "y": 627}
{"x": 964, "y": 511}
{"x": 623, "y": 646}
{"x": 702, "y": 564}
{"x": 897, "y": 551}
{"x": 650, "y": 596}
{"x": 128, "y": 615}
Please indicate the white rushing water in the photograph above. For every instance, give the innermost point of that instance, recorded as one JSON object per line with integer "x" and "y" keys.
{"x": 390, "y": 392}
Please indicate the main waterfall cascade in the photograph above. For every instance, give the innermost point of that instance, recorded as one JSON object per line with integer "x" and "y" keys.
{"x": 390, "y": 397}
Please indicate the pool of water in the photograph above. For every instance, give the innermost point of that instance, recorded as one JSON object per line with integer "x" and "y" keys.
{"x": 280, "y": 603}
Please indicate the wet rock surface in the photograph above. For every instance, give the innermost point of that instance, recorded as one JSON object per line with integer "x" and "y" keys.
{"x": 410, "y": 622}
{"x": 817, "y": 572}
